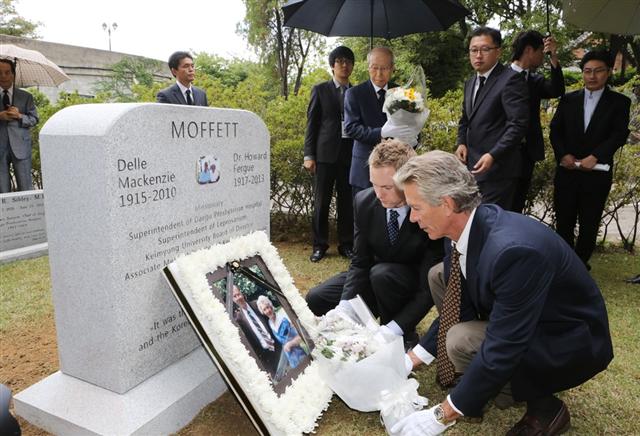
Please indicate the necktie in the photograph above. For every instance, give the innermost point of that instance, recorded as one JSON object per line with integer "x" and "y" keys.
{"x": 189, "y": 99}
{"x": 392, "y": 226}
{"x": 525, "y": 75}
{"x": 381, "y": 94}
{"x": 449, "y": 317}
{"x": 6, "y": 101}
{"x": 482, "y": 80}
{"x": 258, "y": 326}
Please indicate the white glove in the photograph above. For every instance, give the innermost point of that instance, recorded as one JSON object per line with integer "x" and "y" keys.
{"x": 399, "y": 132}
{"x": 421, "y": 423}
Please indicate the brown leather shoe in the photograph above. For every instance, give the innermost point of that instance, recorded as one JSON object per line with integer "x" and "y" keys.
{"x": 530, "y": 425}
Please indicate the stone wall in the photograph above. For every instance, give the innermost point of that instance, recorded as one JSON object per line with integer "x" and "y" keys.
{"x": 85, "y": 66}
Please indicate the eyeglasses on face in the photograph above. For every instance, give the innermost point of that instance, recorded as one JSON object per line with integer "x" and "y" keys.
{"x": 484, "y": 50}
{"x": 590, "y": 71}
{"x": 343, "y": 61}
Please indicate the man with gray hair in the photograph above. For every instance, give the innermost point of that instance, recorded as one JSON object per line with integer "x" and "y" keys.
{"x": 518, "y": 306}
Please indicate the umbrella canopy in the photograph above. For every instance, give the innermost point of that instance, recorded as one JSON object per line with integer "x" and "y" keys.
{"x": 620, "y": 17}
{"x": 32, "y": 67}
{"x": 382, "y": 18}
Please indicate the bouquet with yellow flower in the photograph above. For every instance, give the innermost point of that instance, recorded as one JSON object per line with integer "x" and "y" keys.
{"x": 406, "y": 110}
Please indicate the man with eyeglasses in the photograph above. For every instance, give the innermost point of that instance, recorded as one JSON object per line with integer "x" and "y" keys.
{"x": 327, "y": 155}
{"x": 586, "y": 130}
{"x": 364, "y": 119}
{"x": 529, "y": 48}
{"x": 495, "y": 116}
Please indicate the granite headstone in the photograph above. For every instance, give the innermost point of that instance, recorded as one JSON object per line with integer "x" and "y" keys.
{"x": 129, "y": 187}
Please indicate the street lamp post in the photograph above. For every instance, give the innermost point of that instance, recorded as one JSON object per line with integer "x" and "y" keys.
{"x": 108, "y": 29}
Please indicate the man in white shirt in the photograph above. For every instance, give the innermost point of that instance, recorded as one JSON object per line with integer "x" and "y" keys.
{"x": 587, "y": 129}
{"x": 528, "y": 294}
{"x": 183, "y": 92}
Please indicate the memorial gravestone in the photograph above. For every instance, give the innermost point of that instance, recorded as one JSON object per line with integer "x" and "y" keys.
{"x": 22, "y": 225}
{"x": 129, "y": 188}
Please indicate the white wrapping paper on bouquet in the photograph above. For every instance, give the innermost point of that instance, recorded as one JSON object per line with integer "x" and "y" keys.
{"x": 399, "y": 402}
{"x": 405, "y": 106}
{"x": 377, "y": 381}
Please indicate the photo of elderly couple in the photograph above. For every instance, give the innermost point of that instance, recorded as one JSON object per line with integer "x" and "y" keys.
{"x": 268, "y": 327}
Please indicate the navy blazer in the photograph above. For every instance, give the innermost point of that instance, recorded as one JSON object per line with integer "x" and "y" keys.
{"x": 496, "y": 124}
{"x": 607, "y": 131}
{"x": 173, "y": 95}
{"x": 547, "y": 329}
{"x": 364, "y": 119}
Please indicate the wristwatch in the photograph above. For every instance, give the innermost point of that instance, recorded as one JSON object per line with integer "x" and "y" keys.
{"x": 438, "y": 413}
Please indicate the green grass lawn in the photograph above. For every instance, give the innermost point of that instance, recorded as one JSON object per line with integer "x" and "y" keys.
{"x": 608, "y": 404}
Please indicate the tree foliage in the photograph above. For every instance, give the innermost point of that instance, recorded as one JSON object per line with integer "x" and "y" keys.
{"x": 11, "y": 23}
{"x": 125, "y": 75}
{"x": 284, "y": 49}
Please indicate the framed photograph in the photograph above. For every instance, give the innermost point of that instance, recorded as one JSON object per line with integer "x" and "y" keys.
{"x": 253, "y": 322}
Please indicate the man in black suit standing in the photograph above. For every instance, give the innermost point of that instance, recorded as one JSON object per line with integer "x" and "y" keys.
{"x": 327, "y": 155}
{"x": 539, "y": 321}
{"x": 586, "y": 130}
{"x": 183, "y": 92}
{"x": 255, "y": 327}
{"x": 529, "y": 48}
{"x": 391, "y": 255}
{"x": 364, "y": 119}
{"x": 495, "y": 115}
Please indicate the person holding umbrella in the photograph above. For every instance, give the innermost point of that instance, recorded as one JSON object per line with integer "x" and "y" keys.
{"x": 17, "y": 116}
{"x": 529, "y": 48}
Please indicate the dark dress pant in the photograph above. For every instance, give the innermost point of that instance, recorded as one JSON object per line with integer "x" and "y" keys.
{"x": 523, "y": 184}
{"x": 394, "y": 294}
{"x": 326, "y": 177}
{"x": 500, "y": 192}
{"x": 580, "y": 196}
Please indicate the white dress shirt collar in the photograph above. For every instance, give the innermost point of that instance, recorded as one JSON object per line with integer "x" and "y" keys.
{"x": 376, "y": 88}
{"x": 462, "y": 244}
{"x": 183, "y": 90}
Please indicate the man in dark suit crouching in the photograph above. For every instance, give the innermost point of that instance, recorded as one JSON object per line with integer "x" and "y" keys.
{"x": 391, "y": 255}
{"x": 518, "y": 306}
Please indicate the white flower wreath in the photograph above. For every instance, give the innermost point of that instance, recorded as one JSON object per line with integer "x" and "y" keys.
{"x": 303, "y": 401}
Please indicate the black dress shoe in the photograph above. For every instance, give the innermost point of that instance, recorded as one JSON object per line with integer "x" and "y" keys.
{"x": 346, "y": 252}
{"x": 532, "y": 425}
{"x": 635, "y": 280}
{"x": 317, "y": 255}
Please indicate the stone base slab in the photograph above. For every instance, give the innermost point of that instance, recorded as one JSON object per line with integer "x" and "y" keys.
{"x": 24, "y": 253}
{"x": 163, "y": 404}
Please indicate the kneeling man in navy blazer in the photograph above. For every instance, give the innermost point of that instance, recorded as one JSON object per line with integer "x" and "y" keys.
{"x": 528, "y": 312}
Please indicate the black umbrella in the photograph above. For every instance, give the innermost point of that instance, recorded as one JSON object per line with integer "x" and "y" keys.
{"x": 382, "y": 18}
